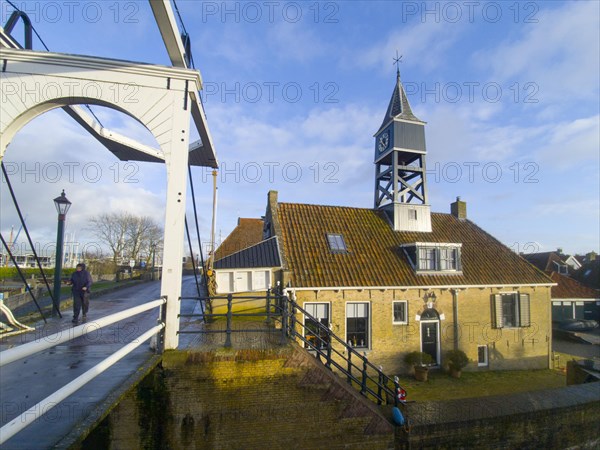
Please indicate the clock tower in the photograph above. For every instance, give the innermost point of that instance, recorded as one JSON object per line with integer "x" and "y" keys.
{"x": 400, "y": 174}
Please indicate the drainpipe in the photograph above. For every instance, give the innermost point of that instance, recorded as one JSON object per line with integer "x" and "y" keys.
{"x": 455, "y": 315}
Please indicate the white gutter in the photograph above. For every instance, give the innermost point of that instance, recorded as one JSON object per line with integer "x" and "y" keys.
{"x": 405, "y": 288}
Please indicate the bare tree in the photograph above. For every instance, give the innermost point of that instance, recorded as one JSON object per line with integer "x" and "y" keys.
{"x": 126, "y": 235}
{"x": 141, "y": 233}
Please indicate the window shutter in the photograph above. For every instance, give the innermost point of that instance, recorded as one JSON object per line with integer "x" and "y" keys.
{"x": 524, "y": 310}
{"x": 497, "y": 311}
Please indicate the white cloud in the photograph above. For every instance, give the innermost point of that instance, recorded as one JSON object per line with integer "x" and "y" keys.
{"x": 560, "y": 53}
{"x": 572, "y": 143}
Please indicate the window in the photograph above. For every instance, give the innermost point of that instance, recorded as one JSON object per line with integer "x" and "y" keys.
{"x": 314, "y": 334}
{"x": 400, "y": 312}
{"x": 427, "y": 258}
{"x": 562, "y": 269}
{"x": 357, "y": 324}
{"x": 448, "y": 258}
{"x": 336, "y": 243}
{"x": 511, "y": 310}
{"x": 430, "y": 257}
{"x": 482, "y": 355}
{"x": 412, "y": 214}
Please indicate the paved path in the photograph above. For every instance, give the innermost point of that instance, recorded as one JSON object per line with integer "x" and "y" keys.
{"x": 26, "y": 382}
{"x": 584, "y": 345}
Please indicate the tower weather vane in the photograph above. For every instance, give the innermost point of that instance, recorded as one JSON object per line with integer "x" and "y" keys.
{"x": 397, "y": 61}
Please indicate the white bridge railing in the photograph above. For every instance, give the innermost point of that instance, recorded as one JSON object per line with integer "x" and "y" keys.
{"x": 31, "y": 348}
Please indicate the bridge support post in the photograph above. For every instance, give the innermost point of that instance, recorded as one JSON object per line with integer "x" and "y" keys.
{"x": 176, "y": 161}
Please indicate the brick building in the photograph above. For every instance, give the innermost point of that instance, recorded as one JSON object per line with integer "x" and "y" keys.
{"x": 397, "y": 278}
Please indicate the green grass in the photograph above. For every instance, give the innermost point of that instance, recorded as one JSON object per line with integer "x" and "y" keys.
{"x": 442, "y": 386}
{"x": 100, "y": 285}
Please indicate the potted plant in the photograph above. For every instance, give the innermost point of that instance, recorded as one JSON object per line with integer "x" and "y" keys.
{"x": 457, "y": 360}
{"x": 419, "y": 361}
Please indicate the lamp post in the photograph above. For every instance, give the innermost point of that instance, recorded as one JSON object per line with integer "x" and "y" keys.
{"x": 62, "y": 206}
{"x": 153, "y": 258}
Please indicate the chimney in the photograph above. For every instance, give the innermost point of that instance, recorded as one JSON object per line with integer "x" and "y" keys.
{"x": 272, "y": 197}
{"x": 459, "y": 209}
{"x": 591, "y": 256}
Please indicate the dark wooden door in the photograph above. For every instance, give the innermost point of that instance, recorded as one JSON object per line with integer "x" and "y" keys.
{"x": 429, "y": 339}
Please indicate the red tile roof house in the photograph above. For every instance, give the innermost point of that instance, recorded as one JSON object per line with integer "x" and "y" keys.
{"x": 397, "y": 278}
{"x": 573, "y": 300}
{"x": 570, "y": 298}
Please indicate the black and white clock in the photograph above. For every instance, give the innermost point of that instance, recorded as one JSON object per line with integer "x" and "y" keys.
{"x": 383, "y": 141}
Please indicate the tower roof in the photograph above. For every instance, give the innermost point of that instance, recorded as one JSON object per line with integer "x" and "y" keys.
{"x": 398, "y": 106}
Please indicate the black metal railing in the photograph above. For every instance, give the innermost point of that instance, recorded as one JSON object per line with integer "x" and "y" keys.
{"x": 280, "y": 314}
{"x": 336, "y": 354}
{"x": 268, "y": 311}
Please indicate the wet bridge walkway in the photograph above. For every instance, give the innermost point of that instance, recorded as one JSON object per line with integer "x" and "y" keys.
{"x": 26, "y": 382}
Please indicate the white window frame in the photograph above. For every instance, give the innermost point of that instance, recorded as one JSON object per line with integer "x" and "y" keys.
{"x": 442, "y": 256}
{"x": 369, "y": 325}
{"x": 448, "y": 256}
{"x": 486, "y": 361}
{"x": 427, "y": 256}
{"x": 337, "y": 243}
{"x": 522, "y": 310}
{"x": 305, "y": 304}
{"x": 405, "y": 321}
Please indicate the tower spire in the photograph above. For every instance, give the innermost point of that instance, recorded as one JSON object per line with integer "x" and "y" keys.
{"x": 399, "y": 107}
{"x": 400, "y": 172}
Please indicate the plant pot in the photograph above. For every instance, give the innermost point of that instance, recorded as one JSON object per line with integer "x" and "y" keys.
{"x": 455, "y": 373}
{"x": 421, "y": 373}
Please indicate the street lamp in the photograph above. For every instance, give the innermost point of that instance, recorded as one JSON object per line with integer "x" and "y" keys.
{"x": 62, "y": 206}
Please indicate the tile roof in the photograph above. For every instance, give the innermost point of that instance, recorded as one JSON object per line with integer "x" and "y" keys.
{"x": 248, "y": 232}
{"x": 569, "y": 288}
{"x": 589, "y": 274}
{"x": 374, "y": 255}
{"x": 544, "y": 260}
{"x": 263, "y": 254}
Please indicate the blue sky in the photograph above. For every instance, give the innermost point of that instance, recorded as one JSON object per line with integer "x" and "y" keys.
{"x": 295, "y": 90}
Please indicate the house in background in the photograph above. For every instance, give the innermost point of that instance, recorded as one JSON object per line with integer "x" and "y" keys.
{"x": 398, "y": 278}
{"x": 244, "y": 262}
{"x": 589, "y": 272}
{"x": 551, "y": 261}
{"x": 573, "y": 300}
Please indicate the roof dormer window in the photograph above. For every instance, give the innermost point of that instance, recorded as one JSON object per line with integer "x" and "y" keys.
{"x": 562, "y": 268}
{"x": 336, "y": 243}
{"x": 427, "y": 257}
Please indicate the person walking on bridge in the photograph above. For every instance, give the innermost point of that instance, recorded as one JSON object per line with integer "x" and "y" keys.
{"x": 81, "y": 282}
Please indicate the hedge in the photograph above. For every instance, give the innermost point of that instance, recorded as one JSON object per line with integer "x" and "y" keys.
{"x": 7, "y": 273}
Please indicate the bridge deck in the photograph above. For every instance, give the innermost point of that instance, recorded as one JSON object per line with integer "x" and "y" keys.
{"x": 26, "y": 382}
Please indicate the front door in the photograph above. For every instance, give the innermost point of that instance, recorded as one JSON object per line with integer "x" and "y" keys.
{"x": 429, "y": 339}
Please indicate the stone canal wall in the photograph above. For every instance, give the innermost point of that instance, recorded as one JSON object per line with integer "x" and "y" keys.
{"x": 558, "y": 418}
{"x": 243, "y": 400}
{"x": 286, "y": 399}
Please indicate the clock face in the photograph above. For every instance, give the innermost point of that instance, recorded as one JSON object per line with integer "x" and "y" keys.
{"x": 383, "y": 142}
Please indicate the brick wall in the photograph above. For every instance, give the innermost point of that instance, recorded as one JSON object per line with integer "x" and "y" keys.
{"x": 249, "y": 400}
{"x": 508, "y": 348}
